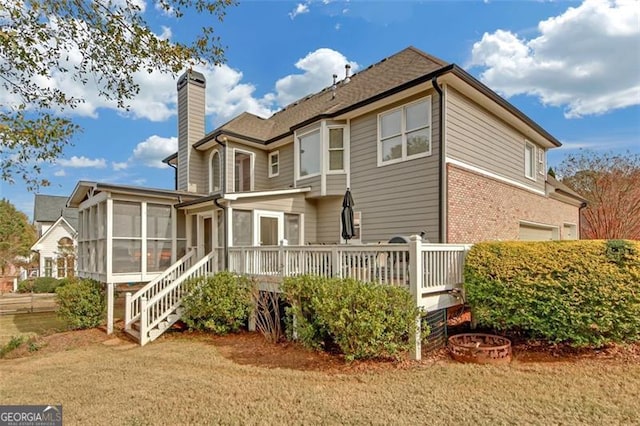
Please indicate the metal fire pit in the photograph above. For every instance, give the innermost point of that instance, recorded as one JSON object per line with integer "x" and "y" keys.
{"x": 480, "y": 348}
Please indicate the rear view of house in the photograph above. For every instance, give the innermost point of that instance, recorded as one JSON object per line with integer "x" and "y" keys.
{"x": 424, "y": 147}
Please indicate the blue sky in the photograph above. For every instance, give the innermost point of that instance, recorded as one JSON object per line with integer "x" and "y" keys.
{"x": 573, "y": 67}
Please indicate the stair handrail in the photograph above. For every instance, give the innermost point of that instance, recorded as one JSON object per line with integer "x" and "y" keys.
{"x": 132, "y": 302}
{"x": 160, "y": 306}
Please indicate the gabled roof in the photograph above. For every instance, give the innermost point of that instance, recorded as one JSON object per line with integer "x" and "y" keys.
{"x": 48, "y": 208}
{"x": 85, "y": 189}
{"x": 60, "y": 222}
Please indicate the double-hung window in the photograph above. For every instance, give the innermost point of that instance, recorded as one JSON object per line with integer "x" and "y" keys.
{"x": 274, "y": 163}
{"x": 336, "y": 148}
{"x": 404, "y": 133}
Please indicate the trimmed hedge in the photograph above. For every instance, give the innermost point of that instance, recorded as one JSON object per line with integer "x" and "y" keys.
{"x": 580, "y": 292}
{"x": 41, "y": 285}
{"x": 81, "y": 304}
{"x": 365, "y": 320}
{"x": 220, "y": 303}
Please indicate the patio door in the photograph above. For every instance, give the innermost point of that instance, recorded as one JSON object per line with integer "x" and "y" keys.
{"x": 269, "y": 228}
{"x": 201, "y": 233}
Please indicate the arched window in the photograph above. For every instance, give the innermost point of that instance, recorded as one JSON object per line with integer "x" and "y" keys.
{"x": 66, "y": 258}
{"x": 214, "y": 172}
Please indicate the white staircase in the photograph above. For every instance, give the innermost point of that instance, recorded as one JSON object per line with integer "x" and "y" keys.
{"x": 157, "y": 306}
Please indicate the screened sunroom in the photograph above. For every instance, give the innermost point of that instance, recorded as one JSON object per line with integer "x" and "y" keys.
{"x": 127, "y": 234}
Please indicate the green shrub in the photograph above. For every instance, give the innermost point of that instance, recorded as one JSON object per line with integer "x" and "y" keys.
{"x": 81, "y": 304}
{"x": 580, "y": 292}
{"x": 365, "y": 320}
{"x": 13, "y": 344}
{"x": 40, "y": 285}
{"x": 220, "y": 303}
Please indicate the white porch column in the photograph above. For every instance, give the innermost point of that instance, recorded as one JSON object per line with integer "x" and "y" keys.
{"x": 415, "y": 286}
{"x": 110, "y": 304}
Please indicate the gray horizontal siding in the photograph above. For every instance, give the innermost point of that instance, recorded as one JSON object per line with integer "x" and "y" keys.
{"x": 328, "y": 220}
{"x": 479, "y": 138}
{"x": 285, "y": 176}
{"x": 280, "y": 203}
{"x": 396, "y": 199}
{"x": 336, "y": 184}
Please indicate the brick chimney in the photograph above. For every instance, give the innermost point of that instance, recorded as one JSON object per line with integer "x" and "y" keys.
{"x": 191, "y": 110}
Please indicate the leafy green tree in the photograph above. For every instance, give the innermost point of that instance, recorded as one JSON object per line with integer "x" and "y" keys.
{"x": 611, "y": 185}
{"x": 17, "y": 235}
{"x": 103, "y": 42}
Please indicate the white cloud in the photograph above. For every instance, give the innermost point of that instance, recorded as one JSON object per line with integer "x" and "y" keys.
{"x": 300, "y": 9}
{"x": 60, "y": 173}
{"x": 117, "y": 166}
{"x": 80, "y": 162}
{"x": 318, "y": 67}
{"x": 584, "y": 59}
{"x": 338, "y": 26}
{"x": 153, "y": 150}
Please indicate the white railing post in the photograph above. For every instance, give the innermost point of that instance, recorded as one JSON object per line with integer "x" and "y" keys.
{"x": 336, "y": 267}
{"x": 111, "y": 301}
{"x": 127, "y": 311}
{"x": 143, "y": 321}
{"x": 415, "y": 286}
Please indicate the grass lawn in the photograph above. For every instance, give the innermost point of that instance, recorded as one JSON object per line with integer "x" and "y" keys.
{"x": 28, "y": 324}
{"x": 182, "y": 380}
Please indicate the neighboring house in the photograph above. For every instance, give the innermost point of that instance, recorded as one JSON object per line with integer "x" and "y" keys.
{"x": 9, "y": 276}
{"x": 56, "y": 245}
{"x": 423, "y": 146}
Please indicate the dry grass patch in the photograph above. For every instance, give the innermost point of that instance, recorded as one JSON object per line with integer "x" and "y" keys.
{"x": 188, "y": 381}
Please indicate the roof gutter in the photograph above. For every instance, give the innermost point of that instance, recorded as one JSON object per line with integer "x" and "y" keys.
{"x": 441, "y": 169}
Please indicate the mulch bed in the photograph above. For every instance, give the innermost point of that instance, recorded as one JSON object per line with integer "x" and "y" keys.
{"x": 250, "y": 348}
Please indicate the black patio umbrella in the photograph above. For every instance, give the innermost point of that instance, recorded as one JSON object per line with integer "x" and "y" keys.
{"x": 348, "y": 229}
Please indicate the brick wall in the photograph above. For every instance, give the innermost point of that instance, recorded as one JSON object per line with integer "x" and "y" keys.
{"x": 483, "y": 209}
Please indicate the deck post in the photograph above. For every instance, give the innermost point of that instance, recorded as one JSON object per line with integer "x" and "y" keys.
{"x": 110, "y": 303}
{"x": 143, "y": 320}
{"x": 415, "y": 286}
{"x": 127, "y": 311}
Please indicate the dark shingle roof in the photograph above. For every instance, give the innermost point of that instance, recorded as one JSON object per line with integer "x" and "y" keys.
{"x": 49, "y": 208}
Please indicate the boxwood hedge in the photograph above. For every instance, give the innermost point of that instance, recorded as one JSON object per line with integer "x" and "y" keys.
{"x": 363, "y": 320}
{"x": 580, "y": 292}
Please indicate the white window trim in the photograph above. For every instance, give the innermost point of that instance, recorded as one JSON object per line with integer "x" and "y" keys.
{"x": 277, "y": 164}
{"x": 300, "y": 225}
{"x": 297, "y": 153}
{"x": 327, "y": 149}
{"x": 211, "y": 170}
{"x": 527, "y": 145}
{"x": 257, "y": 214}
{"x": 252, "y": 158}
{"x": 403, "y": 133}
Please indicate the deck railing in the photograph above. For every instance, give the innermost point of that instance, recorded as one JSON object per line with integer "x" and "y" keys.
{"x": 433, "y": 273}
{"x": 133, "y": 301}
{"x": 386, "y": 263}
{"x": 159, "y": 307}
